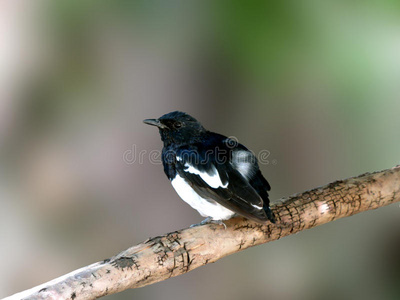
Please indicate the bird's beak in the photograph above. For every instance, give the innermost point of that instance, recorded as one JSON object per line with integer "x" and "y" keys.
{"x": 155, "y": 122}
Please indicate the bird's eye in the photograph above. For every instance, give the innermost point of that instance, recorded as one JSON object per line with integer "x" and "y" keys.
{"x": 177, "y": 125}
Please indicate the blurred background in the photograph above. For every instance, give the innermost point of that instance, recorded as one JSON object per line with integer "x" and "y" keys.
{"x": 316, "y": 83}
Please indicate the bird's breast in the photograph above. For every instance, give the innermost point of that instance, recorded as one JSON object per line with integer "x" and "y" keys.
{"x": 206, "y": 207}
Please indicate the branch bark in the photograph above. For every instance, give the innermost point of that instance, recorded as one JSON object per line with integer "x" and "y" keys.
{"x": 181, "y": 251}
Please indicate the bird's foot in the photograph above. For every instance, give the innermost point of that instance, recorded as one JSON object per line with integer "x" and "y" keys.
{"x": 205, "y": 221}
{"x": 209, "y": 220}
{"x": 218, "y": 222}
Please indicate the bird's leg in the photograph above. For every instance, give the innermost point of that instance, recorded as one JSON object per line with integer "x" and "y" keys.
{"x": 209, "y": 220}
{"x": 205, "y": 221}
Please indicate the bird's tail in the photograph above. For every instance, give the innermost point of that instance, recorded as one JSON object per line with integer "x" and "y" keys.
{"x": 269, "y": 213}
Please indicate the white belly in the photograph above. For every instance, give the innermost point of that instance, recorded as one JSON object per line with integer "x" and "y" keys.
{"x": 203, "y": 206}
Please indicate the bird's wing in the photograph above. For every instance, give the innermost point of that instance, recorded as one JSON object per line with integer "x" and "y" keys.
{"x": 221, "y": 181}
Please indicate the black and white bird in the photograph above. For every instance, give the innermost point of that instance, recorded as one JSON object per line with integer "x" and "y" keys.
{"x": 214, "y": 174}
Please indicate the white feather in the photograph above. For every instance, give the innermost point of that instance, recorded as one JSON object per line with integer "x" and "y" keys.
{"x": 256, "y": 206}
{"x": 243, "y": 161}
{"x": 213, "y": 179}
{"x": 206, "y": 208}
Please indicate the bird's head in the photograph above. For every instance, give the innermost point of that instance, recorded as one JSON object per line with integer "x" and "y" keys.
{"x": 177, "y": 127}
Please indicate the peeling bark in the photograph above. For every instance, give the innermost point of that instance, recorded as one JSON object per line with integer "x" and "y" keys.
{"x": 181, "y": 251}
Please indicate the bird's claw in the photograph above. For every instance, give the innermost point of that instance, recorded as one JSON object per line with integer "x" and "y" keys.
{"x": 209, "y": 220}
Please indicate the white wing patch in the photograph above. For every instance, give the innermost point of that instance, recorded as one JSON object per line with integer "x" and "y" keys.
{"x": 206, "y": 208}
{"x": 244, "y": 161}
{"x": 256, "y": 206}
{"x": 212, "y": 179}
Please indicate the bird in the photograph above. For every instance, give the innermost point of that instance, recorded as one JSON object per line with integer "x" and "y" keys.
{"x": 214, "y": 174}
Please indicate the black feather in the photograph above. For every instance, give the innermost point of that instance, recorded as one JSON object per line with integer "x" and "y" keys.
{"x": 186, "y": 142}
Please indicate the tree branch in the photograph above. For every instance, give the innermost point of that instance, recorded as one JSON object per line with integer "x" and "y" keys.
{"x": 181, "y": 251}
